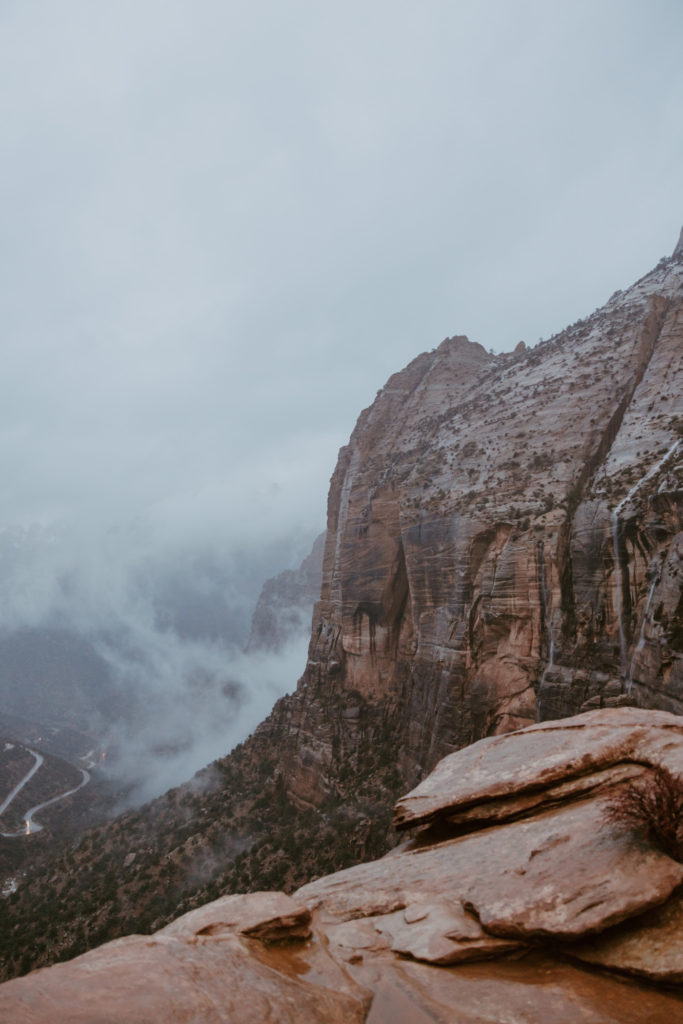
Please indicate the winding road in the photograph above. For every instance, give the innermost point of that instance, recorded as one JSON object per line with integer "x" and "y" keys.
{"x": 31, "y": 825}
{"x": 39, "y": 759}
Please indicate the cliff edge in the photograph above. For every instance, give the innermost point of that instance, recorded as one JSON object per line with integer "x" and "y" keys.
{"x": 512, "y": 886}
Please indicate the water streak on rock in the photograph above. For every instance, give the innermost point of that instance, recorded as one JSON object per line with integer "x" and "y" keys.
{"x": 617, "y": 555}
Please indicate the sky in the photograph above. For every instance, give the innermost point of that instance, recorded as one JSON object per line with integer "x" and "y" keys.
{"x": 225, "y": 224}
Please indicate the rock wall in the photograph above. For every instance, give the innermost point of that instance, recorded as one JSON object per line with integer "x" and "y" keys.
{"x": 503, "y": 545}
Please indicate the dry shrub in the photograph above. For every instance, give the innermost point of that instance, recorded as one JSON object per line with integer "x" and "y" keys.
{"x": 653, "y": 806}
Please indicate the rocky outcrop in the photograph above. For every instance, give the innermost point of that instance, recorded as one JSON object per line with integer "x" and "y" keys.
{"x": 286, "y": 602}
{"x": 486, "y": 918}
{"x": 490, "y": 781}
{"x": 504, "y": 546}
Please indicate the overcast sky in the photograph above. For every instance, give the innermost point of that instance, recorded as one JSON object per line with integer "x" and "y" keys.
{"x": 225, "y": 224}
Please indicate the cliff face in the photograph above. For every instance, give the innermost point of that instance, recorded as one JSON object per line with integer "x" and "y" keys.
{"x": 503, "y": 545}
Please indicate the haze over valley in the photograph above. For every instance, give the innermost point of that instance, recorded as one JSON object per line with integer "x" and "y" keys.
{"x": 149, "y": 666}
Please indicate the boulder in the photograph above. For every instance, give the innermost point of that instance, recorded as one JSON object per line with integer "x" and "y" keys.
{"x": 560, "y": 873}
{"x": 522, "y": 766}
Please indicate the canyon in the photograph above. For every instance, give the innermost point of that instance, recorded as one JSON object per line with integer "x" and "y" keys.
{"x": 503, "y": 551}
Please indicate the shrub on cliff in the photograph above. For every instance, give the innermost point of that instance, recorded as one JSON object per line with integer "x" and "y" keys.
{"x": 653, "y": 806}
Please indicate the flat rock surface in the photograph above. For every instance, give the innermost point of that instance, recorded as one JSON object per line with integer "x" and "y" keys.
{"x": 562, "y": 873}
{"x": 541, "y": 756}
{"x": 534, "y": 990}
{"x": 144, "y": 980}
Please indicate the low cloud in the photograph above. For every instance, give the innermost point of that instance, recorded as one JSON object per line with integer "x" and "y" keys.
{"x": 142, "y": 646}
{"x": 199, "y": 701}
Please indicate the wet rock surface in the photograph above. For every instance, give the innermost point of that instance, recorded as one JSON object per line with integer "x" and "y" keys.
{"x": 486, "y": 925}
{"x": 267, "y": 916}
{"x": 138, "y": 980}
{"x": 651, "y": 945}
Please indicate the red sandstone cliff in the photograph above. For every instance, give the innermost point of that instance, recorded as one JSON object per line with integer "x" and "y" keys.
{"x": 503, "y": 545}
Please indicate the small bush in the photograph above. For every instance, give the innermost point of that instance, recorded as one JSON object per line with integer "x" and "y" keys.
{"x": 653, "y": 806}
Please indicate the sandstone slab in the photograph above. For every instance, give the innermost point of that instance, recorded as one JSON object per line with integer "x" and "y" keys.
{"x": 512, "y": 805}
{"x": 560, "y": 874}
{"x": 651, "y": 946}
{"x": 139, "y": 980}
{"x": 440, "y": 933}
{"x": 536, "y": 758}
{"x": 268, "y": 916}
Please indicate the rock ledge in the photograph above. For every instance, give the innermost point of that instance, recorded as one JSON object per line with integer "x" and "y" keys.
{"x": 512, "y": 871}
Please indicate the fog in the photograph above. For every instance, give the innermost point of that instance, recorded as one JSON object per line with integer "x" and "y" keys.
{"x": 200, "y": 700}
{"x": 224, "y": 226}
{"x": 140, "y": 646}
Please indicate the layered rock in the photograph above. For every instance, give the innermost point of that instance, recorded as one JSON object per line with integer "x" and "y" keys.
{"x": 471, "y": 920}
{"x": 504, "y": 545}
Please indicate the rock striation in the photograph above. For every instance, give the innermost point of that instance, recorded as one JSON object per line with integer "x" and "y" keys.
{"x": 504, "y": 545}
{"x": 501, "y": 916}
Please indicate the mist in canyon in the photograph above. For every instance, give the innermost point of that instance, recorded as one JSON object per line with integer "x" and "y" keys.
{"x": 139, "y": 646}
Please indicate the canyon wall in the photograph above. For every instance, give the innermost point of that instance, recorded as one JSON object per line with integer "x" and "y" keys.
{"x": 503, "y": 546}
